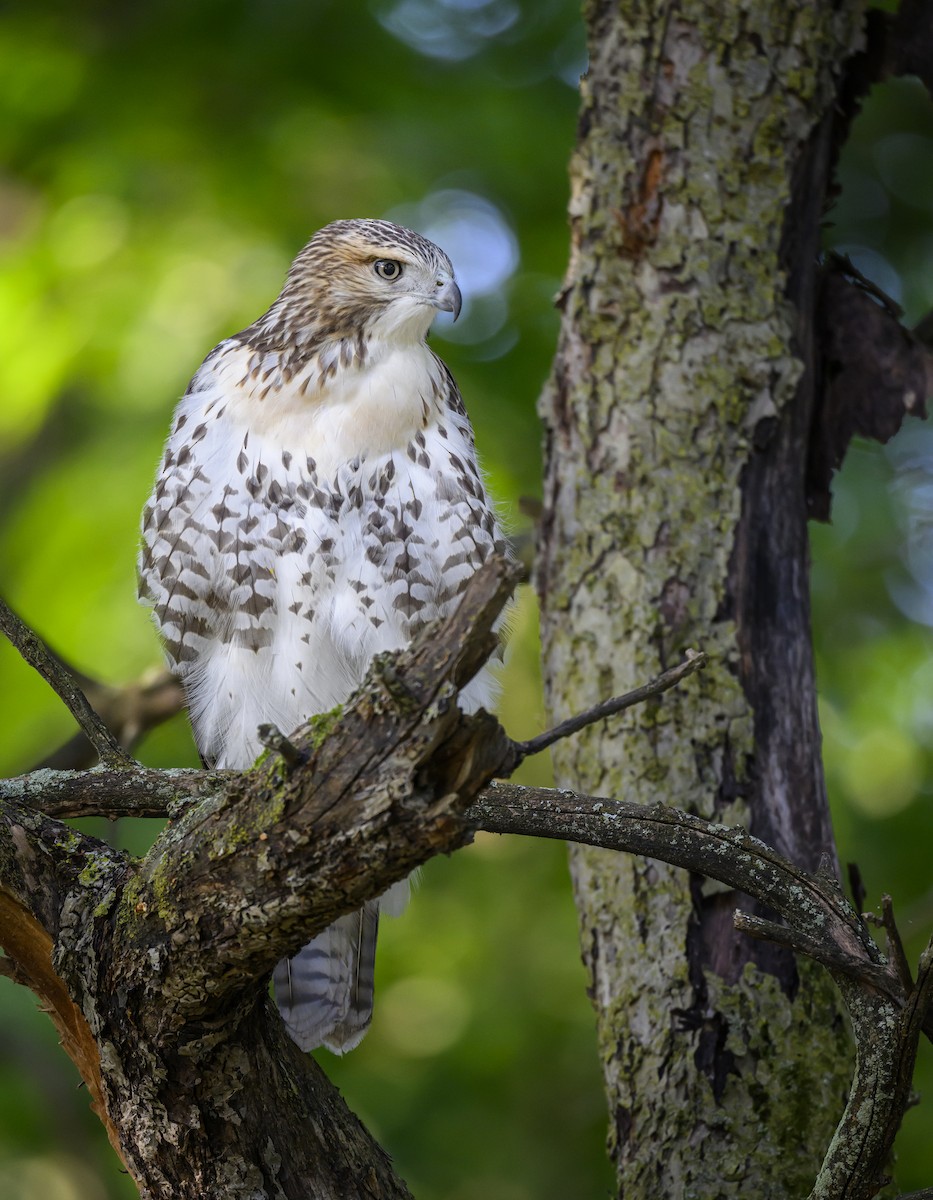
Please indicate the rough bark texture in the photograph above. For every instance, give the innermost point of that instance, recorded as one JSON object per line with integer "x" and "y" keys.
{"x": 156, "y": 971}
{"x": 222, "y": 1072}
{"x": 677, "y": 422}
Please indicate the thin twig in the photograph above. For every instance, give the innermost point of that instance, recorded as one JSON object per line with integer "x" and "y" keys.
{"x": 820, "y": 951}
{"x": 128, "y": 711}
{"x": 693, "y": 662}
{"x": 917, "y": 1009}
{"x": 895, "y": 945}
{"x": 38, "y": 655}
{"x": 856, "y": 886}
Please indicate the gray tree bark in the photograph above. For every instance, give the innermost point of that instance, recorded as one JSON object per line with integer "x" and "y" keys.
{"x": 678, "y": 416}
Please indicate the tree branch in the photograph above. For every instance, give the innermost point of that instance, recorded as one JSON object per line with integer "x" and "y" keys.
{"x": 731, "y": 856}
{"x": 129, "y": 712}
{"x": 895, "y": 945}
{"x": 693, "y": 662}
{"x": 342, "y": 809}
{"x": 136, "y": 791}
{"x": 38, "y": 655}
{"x": 821, "y": 923}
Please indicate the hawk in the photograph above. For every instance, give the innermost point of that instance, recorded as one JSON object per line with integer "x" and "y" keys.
{"x": 318, "y": 501}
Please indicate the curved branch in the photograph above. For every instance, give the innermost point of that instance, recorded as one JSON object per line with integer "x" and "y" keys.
{"x": 887, "y": 1021}
{"x": 729, "y": 855}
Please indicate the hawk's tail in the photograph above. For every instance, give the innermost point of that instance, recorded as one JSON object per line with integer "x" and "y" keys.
{"x": 325, "y": 993}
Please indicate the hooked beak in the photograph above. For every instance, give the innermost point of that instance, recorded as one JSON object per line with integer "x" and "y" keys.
{"x": 448, "y": 298}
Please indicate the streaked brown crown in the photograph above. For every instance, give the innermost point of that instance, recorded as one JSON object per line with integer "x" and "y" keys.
{"x": 331, "y": 291}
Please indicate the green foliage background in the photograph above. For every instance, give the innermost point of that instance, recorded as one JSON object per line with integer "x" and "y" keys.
{"x": 160, "y": 165}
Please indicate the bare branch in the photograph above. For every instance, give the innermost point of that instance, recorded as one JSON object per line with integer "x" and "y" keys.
{"x": 129, "y": 712}
{"x": 730, "y": 855}
{"x": 895, "y": 945}
{"x": 819, "y": 950}
{"x": 134, "y": 792}
{"x": 403, "y": 775}
{"x": 693, "y": 662}
{"x": 38, "y": 655}
{"x": 821, "y": 923}
{"x": 142, "y": 792}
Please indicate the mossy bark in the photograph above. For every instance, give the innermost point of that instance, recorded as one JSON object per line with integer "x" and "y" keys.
{"x": 677, "y": 420}
{"x": 156, "y": 970}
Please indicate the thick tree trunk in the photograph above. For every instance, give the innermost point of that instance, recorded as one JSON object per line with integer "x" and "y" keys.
{"x": 156, "y": 970}
{"x": 675, "y": 515}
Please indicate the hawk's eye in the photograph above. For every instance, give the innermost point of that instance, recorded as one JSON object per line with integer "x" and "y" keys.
{"x": 387, "y": 268}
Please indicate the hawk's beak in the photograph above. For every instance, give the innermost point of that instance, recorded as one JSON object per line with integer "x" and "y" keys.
{"x": 448, "y": 299}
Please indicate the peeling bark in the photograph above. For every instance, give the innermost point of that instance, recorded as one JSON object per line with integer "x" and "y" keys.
{"x": 875, "y": 374}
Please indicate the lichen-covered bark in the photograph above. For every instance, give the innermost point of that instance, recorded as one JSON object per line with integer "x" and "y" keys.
{"x": 677, "y": 418}
{"x": 156, "y": 971}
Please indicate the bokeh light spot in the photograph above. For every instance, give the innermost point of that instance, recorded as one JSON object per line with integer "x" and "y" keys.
{"x": 422, "y": 1015}
{"x": 883, "y": 771}
{"x": 53, "y": 1178}
{"x": 484, "y": 252}
{"x": 87, "y": 230}
{"x": 448, "y": 29}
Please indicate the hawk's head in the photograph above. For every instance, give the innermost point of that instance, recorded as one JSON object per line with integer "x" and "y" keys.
{"x": 366, "y": 276}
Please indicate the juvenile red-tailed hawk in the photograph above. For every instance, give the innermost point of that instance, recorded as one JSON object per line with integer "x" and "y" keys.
{"x": 318, "y": 500}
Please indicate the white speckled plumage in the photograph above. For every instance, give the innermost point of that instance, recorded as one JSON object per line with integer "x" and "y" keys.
{"x": 318, "y": 501}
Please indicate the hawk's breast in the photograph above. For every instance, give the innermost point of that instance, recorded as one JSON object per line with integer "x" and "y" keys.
{"x": 283, "y": 552}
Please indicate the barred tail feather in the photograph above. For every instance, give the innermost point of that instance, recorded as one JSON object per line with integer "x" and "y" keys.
{"x": 325, "y": 993}
{"x": 349, "y": 1032}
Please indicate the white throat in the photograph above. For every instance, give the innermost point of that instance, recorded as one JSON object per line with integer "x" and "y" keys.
{"x": 356, "y": 411}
